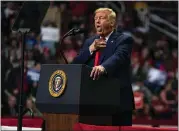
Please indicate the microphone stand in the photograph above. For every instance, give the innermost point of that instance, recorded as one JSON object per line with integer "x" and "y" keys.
{"x": 61, "y": 52}
{"x": 23, "y": 32}
{"x": 71, "y": 32}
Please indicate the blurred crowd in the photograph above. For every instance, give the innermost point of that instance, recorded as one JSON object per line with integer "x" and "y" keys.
{"x": 154, "y": 57}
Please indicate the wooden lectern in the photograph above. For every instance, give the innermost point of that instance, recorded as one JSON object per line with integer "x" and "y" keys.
{"x": 67, "y": 91}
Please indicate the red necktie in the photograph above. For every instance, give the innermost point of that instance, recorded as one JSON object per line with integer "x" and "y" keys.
{"x": 97, "y": 56}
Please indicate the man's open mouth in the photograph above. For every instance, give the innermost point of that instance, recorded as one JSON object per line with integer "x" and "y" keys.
{"x": 98, "y": 27}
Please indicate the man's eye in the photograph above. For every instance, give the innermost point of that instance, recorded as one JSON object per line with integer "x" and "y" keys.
{"x": 99, "y": 18}
{"x": 103, "y": 18}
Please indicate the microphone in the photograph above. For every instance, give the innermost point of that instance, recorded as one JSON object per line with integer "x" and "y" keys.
{"x": 75, "y": 31}
{"x": 79, "y": 31}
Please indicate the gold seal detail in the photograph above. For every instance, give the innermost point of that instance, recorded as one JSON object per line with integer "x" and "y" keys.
{"x": 57, "y": 83}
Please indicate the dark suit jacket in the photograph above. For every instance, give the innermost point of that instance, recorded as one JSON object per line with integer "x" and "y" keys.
{"x": 115, "y": 59}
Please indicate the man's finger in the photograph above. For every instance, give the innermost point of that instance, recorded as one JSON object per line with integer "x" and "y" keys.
{"x": 97, "y": 41}
{"x": 95, "y": 74}
{"x": 92, "y": 72}
{"x": 98, "y": 75}
{"x": 102, "y": 45}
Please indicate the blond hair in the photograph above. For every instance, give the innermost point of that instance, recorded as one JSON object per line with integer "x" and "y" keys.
{"x": 111, "y": 16}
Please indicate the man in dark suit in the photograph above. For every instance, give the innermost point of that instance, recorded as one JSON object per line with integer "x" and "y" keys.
{"x": 108, "y": 53}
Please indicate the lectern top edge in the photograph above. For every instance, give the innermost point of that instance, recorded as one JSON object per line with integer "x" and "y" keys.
{"x": 69, "y": 65}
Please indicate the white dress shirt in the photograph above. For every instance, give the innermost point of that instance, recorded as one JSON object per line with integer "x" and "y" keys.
{"x": 107, "y": 37}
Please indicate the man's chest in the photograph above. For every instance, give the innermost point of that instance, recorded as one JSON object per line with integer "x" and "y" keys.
{"x": 108, "y": 51}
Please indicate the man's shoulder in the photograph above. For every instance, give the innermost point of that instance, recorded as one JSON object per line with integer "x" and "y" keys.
{"x": 124, "y": 35}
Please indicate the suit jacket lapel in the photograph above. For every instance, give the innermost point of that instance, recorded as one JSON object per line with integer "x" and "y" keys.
{"x": 110, "y": 45}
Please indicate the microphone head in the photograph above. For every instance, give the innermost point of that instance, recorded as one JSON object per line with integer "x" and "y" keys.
{"x": 80, "y": 30}
{"x": 75, "y": 31}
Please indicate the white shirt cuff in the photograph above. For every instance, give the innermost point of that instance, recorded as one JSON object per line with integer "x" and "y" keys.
{"x": 90, "y": 52}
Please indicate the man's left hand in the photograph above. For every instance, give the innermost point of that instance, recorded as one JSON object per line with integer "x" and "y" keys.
{"x": 97, "y": 71}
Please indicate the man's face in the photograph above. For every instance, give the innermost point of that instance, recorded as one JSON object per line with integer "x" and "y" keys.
{"x": 102, "y": 23}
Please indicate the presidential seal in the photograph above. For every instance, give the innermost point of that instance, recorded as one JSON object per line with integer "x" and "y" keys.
{"x": 57, "y": 83}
